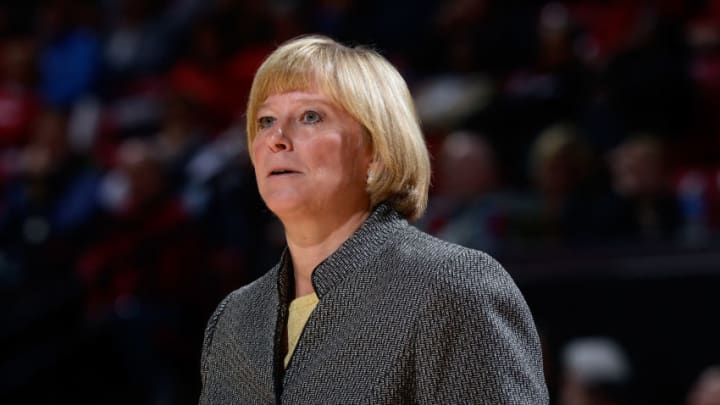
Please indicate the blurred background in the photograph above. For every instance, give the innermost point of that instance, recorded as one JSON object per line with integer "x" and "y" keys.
{"x": 576, "y": 141}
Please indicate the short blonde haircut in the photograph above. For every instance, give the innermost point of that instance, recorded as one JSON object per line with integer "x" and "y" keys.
{"x": 371, "y": 90}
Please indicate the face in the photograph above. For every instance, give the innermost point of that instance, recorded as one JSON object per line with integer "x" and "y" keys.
{"x": 636, "y": 169}
{"x": 311, "y": 157}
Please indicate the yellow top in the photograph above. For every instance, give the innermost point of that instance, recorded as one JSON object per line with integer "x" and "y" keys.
{"x": 298, "y": 314}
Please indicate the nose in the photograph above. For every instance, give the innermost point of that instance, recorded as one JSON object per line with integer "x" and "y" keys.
{"x": 279, "y": 141}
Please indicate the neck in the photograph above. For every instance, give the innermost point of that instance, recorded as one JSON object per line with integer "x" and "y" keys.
{"x": 312, "y": 241}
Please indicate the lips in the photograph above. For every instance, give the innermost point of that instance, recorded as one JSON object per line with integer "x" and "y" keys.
{"x": 281, "y": 172}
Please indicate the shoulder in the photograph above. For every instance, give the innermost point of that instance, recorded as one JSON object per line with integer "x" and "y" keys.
{"x": 240, "y": 302}
{"x": 467, "y": 285}
{"x": 472, "y": 314}
{"x": 448, "y": 266}
{"x": 253, "y": 292}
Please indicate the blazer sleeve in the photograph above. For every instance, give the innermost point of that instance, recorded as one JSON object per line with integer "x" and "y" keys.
{"x": 207, "y": 343}
{"x": 476, "y": 341}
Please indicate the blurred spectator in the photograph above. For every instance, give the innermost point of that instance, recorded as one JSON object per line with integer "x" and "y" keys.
{"x": 487, "y": 36}
{"x": 703, "y": 36}
{"x": 220, "y": 193}
{"x": 143, "y": 35}
{"x": 456, "y": 26}
{"x": 706, "y": 390}
{"x": 51, "y": 203}
{"x": 563, "y": 207}
{"x": 547, "y": 87}
{"x": 214, "y": 74}
{"x": 606, "y": 28}
{"x": 18, "y": 101}
{"x": 144, "y": 215}
{"x": 142, "y": 274}
{"x": 69, "y": 55}
{"x": 647, "y": 208}
{"x": 181, "y": 135}
{"x": 698, "y": 193}
{"x": 201, "y": 75}
{"x": 595, "y": 371}
{"x": 466, "y": 208}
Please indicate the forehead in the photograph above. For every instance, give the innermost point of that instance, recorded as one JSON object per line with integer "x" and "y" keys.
{"x": 293, "y": 97}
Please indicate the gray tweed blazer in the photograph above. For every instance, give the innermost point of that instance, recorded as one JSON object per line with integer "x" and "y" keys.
{"x": 403, "y": 318}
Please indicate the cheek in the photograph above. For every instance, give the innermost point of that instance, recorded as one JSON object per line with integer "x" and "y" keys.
{"x": 254, "y": 148}
{"x": 320, "y": 151}
{"x": 256, "y": 157}
{"x": 335, "y": 156}
{"x": 256, "y": 152}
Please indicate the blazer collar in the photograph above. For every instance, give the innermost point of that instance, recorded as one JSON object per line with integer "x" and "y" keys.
{"x": 353, "y": 254}
{"x": 356, "y": 252}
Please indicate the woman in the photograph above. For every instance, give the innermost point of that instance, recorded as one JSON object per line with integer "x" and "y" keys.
{"x": 362, "y": 307}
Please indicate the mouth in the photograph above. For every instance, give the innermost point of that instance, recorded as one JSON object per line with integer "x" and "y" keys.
{"x": 282, "y": 172}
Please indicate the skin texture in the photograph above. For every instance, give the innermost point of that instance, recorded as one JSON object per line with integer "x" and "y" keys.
{"x": 311, "y": 163}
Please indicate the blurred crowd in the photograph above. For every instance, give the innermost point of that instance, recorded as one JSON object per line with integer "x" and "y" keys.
{"x": 128, "y": 205}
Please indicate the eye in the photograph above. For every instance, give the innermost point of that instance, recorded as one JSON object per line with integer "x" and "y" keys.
{"x": 311, "y": 117}
{"x": 266, "y": 122}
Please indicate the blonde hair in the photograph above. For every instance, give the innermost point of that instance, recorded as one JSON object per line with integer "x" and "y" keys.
{"x": 371, "y": 90}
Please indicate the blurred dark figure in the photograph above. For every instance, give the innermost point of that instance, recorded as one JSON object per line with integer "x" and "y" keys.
{"x": 550, "y": 89}
{"x": 146, "y": 300}
{"x": 459, "y": 25}
{"x": 563, "y": 208}
{"x": 143, "y": 36}
{"x": 547, "y": 86}
{"x": 639, "y": 59}
{"x": 50, "y": 205}
{"x": 142, "y": 40}
{"x": 181, "y": 135}
{"x": 596, "y": 371}
{"x": 706, "y": 390}
{"x": 220, "y": 193}
{"x": 202, "y": 74}
{"x": 48, "y": 215}
{"x": 698, "y": 192}
{"x": 18, "y": 101}
{"x": 466, "y": 208}
{"x": 482, "y": 35}
{"x": 215, "y": 72}
{"x": 69, "y": 52}
{"x": 646, "y": 208}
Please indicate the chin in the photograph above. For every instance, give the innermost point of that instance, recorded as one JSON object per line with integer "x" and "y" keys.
{"x": 283, "y": 207}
